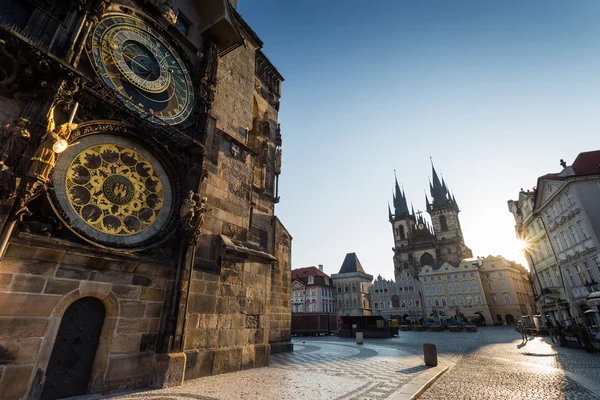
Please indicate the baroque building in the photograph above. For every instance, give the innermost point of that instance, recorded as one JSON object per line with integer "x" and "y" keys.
{"x": 416, "y": 241}
{"x": 454, "y": 290}
{"x": 551, "y": 297}
{"x": 138, "y": 180}
{"x": 567, "y": 203}
{"x": 352, "y": 285}
{"x": 312, "y": 291}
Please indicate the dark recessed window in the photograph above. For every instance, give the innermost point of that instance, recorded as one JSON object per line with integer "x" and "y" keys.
{"x": 183, "y": 24}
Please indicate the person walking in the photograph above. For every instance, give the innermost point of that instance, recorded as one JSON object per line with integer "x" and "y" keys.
{"x": 521, "y": 329}
{"x": 550, "y": 327}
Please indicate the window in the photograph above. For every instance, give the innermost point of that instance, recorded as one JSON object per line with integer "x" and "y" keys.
{"x": 464, "y": 276}
{"x": 425, "y": 279}
{"x": 461, "y": 301}
{"x": 428, "y": 302}
{"x": 491, "y": 286}
{"x": 354, "y": 287}
{"x": 569, "y": 198}
{"x": 443, "y": 223}
{"x": 417, "y": 303}
{"x": 436, "y": 301}
{"x": 182, "y": 24}
{"x": 472, "y": 274}
{"x": 581, "y": 228}
{"x": 502, "y": 285}
{"x": 587, "y": 271}
{"x": 500, "y": 274}
{"x": 572, "y": 234}
{"x": 507, "y": 299}
{"x": 561, "y": 206}
{"x": 581, "y": 274}
{"x": 426, "y": 288}
{"x": 433, "y": 289}
{"x": 487, "y": 275}
{"x": 439, "y": 278}
{"x": 451, "y": 288}
{"x": 440, "y": 288}
{"x": 346, "y": 288}
{"x": 458, "y": 288}
{"x": 455, "y": 276}
{"x": 477, "y": 300}
{"x": 448, "y": 277}
{"x": 311, "y": 280}
{"x": 565, "y": 239}
{"x": 469, "y": 300}
{"x": 444, "y": 304}
{"x": 557, "y": 242}
{"x": 403, "y": 304}
{"x": 550, "y": 278}
{"x": 475, "y": 287}
{"x": 467, "y": 287}
{"x": 453, "y": 301}
{"x": 347, "y": 303}
{"x": 355, "y": 303}
{"x": 339, "y": 289}
{"x": 401, "y": 232}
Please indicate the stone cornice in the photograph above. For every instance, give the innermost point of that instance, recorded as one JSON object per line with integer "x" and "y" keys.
{"x": 560, "y": 221}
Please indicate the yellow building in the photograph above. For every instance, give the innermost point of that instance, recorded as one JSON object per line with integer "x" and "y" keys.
{"x": 507, "y": 289}
{"x": 452, "y": 290}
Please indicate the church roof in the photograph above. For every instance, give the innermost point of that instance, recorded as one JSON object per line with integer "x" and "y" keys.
{"x": 351, "y": 264}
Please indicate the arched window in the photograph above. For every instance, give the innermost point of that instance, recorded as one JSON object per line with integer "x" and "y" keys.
{"x": 339, "y": 289}
{"x": 354, "y": 287}
{"x": 477, "y": 300}
{"x": 426, "y": 288}
{"x": 491, "y": 285}
{"x": 401, "y": 232}
{"x": 428, "y": 302}
{"x": 453, "y": 301}
{"x": 503, "y": 284}
{"x": 443, "y": 223}
{"x": 355, "y": 303}
{"x": 444, "y": 304}
{"x": 507, "y": 299}
{"x": 346, "y": 288}
{"x": 403, "y": 304}
{"x": 417, "y": 303}
{"x": 426, "y": 259}
{"x": 469, "y": 300}
{"x": 347, "y": 303}
{"x": 461, "y": 301}
{"x": 436, "y": 301}
{"x": 405, "y": 265}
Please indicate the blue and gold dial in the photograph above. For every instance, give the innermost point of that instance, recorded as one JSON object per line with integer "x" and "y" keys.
{"x": 148, "y": 75}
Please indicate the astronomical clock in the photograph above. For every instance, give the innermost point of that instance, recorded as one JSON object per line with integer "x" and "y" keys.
{"x": 113, "y": 185}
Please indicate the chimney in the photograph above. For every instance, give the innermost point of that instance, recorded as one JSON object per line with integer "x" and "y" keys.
{"x": 321, "y": 267}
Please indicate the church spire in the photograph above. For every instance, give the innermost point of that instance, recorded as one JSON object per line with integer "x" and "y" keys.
{"x": 391, "y": 217}
{"x": 437, "y": 190}
{"x": 400, "y": 206}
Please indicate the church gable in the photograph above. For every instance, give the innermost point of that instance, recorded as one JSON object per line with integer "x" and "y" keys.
{"x": 548, "y": 190}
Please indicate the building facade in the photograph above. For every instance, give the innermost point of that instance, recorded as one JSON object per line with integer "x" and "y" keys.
{"x": 567, "y": 203}
{"x": 416, "y": 242}
{"x": 550, "y": 294}
{"x": 352, "y": 285}
{"x": 454, "y": 291}
{"x": 400, "y": 298}
{"x": 507, "y": 288}
{"x": 312, "y": 291}
{"x": 137, "y": 196}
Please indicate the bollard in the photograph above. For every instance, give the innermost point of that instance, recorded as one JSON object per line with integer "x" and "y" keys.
{"x": 359, "y": 338}
{"x": 430, "y": 354}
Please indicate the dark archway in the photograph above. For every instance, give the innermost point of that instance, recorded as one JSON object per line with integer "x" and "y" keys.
{"x": 510, "y": 320}
{"x": 499, "y": 319}
{"x": 443, "y": 223}
{"x": 70, "y": 366}
{"x": 426, "y": 259}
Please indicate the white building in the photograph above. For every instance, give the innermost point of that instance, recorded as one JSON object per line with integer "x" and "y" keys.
{"x": 352, "y": 288}
{"x": 569, "y": 205}
{"x": 312, "y": 291}
{"x": 400, "y": 298}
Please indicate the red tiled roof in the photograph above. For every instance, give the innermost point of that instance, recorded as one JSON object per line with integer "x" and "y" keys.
{"x": 306, "y": 272}
{"x": 587, "y": 163}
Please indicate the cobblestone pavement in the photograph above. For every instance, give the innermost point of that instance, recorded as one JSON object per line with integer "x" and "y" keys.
{"x": 318, "y": 368}
{"x": 496, "y": 365}
{"x": 490, "y": 364}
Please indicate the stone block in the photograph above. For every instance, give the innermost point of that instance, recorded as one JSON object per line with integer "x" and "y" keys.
{"x": 95, "y": 287}
{"x": 19, "y": 351}
{"x": 133, "y": 325}
{"x": 125, "y": 343}
{"x": 5, "y": 280}
{"x": 153, "y": 310}
{"x": 168, "y": 370}
{"x": 224, "y": 321}
{"x": 141, "y": 280}
{"x": 126, "y": 367}
{"x": 148, "y": 342}
{"x": 126, "y": 292}
{"x": 227, "y": 360}
{"x": 226, "y": 338}
{"x": 263, "y": 355}
{"x": 241, "y": 337}
{"x": 28, "y": 284}
{"x": 111, "y": 277}
{"x": 24, "y": 266}
{"x": 212, "y": 338}
{"x": 27, "y": 305}
{"x": 198, "y": 363}
{"x": 17, "y": 327}
{"x": 202, "y": 304}
{"x": 248, "y": 357}
{"x": 16, "y": 381}
{"x": 69, "y": 273}
{"x": 60, "y": 286}
{"x": 195, "y": 339}
{"x": 132, "y": 309}
{"x": 238, "y": 321}
{"x": 153, "y": 325}
{"x": 152, "y": 294}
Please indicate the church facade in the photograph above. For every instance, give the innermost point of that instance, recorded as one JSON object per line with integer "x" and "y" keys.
{"x": 139, "y": 168}
{"x": 417, "y": 242}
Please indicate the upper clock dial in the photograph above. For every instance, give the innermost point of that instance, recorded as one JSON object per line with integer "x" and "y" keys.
{"x": 148, "y": 75}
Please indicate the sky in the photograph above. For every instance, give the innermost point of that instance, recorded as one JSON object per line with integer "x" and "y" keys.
{"x": 495, "y": 92}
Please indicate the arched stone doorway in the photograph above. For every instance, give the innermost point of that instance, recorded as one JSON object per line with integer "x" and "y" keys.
{"x": 70, "y": 366}
{"x": 510, "y": 320}
{"x": 499, "y": 319}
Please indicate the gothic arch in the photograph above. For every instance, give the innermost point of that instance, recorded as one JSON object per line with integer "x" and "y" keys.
{"x": 426, "y": 259}
{"x": 443, "y": 223}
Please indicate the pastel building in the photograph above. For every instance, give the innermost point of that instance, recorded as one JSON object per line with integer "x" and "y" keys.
{"x": 312, "y": 291}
